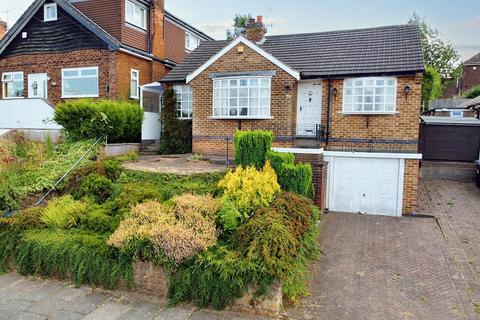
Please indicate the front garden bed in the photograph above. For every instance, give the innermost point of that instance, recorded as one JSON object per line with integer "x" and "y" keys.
{"x": 234, "y": 240}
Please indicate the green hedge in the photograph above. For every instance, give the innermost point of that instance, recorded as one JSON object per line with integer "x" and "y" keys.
{"x": 472, "y": 93}
{"x": 251, "y": 147}
{"x": 88, "y": 119}
{"x": 291, "y": 177}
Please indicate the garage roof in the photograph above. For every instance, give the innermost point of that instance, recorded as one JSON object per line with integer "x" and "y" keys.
{"x": 451, "y": 120}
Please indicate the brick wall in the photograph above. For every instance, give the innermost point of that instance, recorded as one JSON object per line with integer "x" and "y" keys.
{"x": 398, "y": 132}
{"x": 319, "y": 176}
{"x": 209, "y": 134}
{"x": 410, "y": 186}
{"x": 52, "y": 64}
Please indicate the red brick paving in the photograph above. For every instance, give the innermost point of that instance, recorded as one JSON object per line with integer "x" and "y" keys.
{"x": 383, "y": 268}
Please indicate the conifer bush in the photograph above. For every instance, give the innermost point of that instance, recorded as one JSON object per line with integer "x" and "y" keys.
{"x": 251, "y": 147}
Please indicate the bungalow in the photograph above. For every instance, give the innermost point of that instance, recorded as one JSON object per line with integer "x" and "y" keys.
{"x": 347, "y": 101}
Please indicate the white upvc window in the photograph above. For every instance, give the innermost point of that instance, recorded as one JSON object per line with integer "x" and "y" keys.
{"x": 241, "y": 97}
{"x": 191, "y": 41}
{"x": 184, "y": 101}
{"x": 375, "y": 95}
{"x": 134, "y": 84}
{"x": 50, "y": 12}
{"x": 456, "y": 114}
{"x": 136, "y": 14}
{"x": 12, "y": 85}
{"x": 80, "y": 82}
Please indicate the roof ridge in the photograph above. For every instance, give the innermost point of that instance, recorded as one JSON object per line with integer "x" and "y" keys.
{"x": 343, "y": 30}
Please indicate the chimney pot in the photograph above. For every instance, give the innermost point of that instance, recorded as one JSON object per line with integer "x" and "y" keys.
{"x": 3, "y": 28}
{"x": 260, "y": 19}
{"x": 255, "y": 30}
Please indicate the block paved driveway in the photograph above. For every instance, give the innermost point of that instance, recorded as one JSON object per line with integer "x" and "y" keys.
{"x": 372, "y": 268}
{"x": 400, "y": 268}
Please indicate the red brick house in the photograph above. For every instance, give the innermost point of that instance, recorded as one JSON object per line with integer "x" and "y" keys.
{"x": 64, "y": 49}
{"x": 469, "y": 79}
{"x": 347, "y": 101}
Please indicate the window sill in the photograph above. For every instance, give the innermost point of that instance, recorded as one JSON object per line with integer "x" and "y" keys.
{"x": 369, "y": 113}
{"x": 241, "y": 118}
{"x": 79, "y": 97}
{"x": 13, "y": 98}
{"x": 134, "y": 98}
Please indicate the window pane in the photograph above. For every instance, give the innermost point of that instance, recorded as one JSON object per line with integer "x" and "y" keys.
{"x": 390, "y": 91}
{"x": 243, "y": 82}
{"x": 243, "y": 92}
{"x": 348, "y": 91}
{"x": 254, "y": 82}
{"x": 254, "y": 93}
{"x": 233, "y": 93}
{"x": 80, "y": 87}
{"x": 233, "y": 83}
{"x": 233, "y": 102}
{"x": 244, "y": 111}
{"x": 73, "y": 73}
{"x": 89, "y": 72}
{"x": 264, "y": 82}
{"x": 264, "y": 102}
{"x": 233, "y": 112}
{"x": 134, "y": 88}
{"x": 368, "y": 107}
{"x": 243, "y": 102}
{"x": 264, "y": 93}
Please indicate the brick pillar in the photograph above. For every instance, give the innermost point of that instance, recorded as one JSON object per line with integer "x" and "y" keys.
{"x": 319, "y": 176}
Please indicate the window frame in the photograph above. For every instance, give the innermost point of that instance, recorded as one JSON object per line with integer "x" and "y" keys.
{"x": 188, "y": 37}
{"x": 373, "y": 95}
{"x": 132, "y": 21}
{"x": 137, "y": 78}
{"x": 259, "y": 106}
{"x": 12, "y": 79}
{"x": 180, "y": 101}
{"x": 79, "y": 69}
{"x": 45, "y": 12}
{"x": 452, "y": 112}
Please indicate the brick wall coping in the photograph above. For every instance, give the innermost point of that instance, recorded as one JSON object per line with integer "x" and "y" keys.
{"x": 300, "y": 150}
{"x": 384, "y": 155}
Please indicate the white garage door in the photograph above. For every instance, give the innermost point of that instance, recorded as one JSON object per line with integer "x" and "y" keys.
{"x": 365, "y": 185}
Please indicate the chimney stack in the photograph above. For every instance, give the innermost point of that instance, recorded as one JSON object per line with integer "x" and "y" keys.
{"x": 256, "y": 30}
{"x": 3, "y": 28}
{"x": 158, "y": 41}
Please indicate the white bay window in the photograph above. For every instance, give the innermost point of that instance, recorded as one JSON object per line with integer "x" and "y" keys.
{"x": 245, "y": 97}
{"x": 80, "y": 82}
{"x": 369, "y": 95}
{"x": 184, "y": 101}
{"x": 12, "y": 85}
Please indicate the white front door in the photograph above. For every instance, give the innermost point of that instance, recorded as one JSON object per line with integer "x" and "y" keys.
{"x": 365, "y": 185}
{"x": 309, "y": 107}
{"x": 37, "y": 85}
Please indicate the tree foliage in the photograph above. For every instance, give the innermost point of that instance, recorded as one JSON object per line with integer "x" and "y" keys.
{"x": 472, "y": 93}
{"x": 239, "y": 21}
{"x": 437, "y": 52}
{"x": 431, "y": 85}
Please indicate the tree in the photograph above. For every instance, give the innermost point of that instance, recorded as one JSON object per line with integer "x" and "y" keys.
{"x": 431, "y": 85}
{"x": 437, "y": 52}
{"x": 239, "y": 21}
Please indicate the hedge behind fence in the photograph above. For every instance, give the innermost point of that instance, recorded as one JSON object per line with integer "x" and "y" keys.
{"x": 85, "y": 119}
{"x": 251, "y": 147}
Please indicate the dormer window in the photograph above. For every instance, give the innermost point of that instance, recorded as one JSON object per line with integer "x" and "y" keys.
{"x": 191, "y": 41}
{"x": 50, "y": 12}
{"x": 136, "y": 14}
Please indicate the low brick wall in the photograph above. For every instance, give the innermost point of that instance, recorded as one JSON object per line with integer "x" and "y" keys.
{"x": 153, "y": 280}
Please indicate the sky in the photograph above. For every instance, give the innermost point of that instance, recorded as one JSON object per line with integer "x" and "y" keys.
{"x": 456, "y": 20}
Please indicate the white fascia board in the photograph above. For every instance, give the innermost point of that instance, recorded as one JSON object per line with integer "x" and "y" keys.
{"x": 299, "y": 150}
{"x": 381, "y": 155}
{"x": 252, "y": 46}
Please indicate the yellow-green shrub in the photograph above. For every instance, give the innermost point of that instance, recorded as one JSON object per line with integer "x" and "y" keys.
{"x": 177, "y": 231}
{"x": 63, "y": 212}
{"x": 245, "y": 190}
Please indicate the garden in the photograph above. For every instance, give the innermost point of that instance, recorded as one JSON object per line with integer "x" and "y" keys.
{"x": 217, "y": 235}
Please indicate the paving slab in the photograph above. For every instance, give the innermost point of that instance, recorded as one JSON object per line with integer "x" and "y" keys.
{"x": 108, "y": 311}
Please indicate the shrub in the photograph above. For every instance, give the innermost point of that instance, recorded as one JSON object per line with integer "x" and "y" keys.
{"x": 7, "y": 199}
{"x": 297, "y": 178}
{"x": 84, "y": 119}
{"x": 176, "y": 135}
{"x": 178, "y": 233}
{"x": 98, "y": 220}
{"x": 472, "y": 93}
{"x": 247, "y": 189}
{"x": 113, "y": 169}
{"x": 206, "y": 206}
{"x": 24, "y": 219}
{"x": 63, "y": 212}
{"x": 251, "y": 147}
{"x": 96, "y": 186}
{"x": 83, "y": 257}
{"x": 431, "y": 85}
{"x": 292, "y": 177}
{"x": 136, "y": 192}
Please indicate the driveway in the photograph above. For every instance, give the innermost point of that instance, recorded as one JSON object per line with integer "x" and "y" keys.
{"x": 400, "y": 268}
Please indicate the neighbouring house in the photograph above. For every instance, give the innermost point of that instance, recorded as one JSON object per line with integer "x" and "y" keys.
{"x": 69, "y": 49}
{"x": 450, "y": 108}
{"x": 346, "y": 101}
{"x": 469, "y": 79}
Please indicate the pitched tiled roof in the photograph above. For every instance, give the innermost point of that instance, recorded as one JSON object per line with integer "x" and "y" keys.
{"x": 390, "y": 49}
{"x": 473, "y": 61}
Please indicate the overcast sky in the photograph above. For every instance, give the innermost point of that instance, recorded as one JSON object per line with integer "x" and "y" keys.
{"x": 457, "y": 20}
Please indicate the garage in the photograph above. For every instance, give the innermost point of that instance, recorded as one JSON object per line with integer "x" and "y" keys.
{"x": 367, "y": 183}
